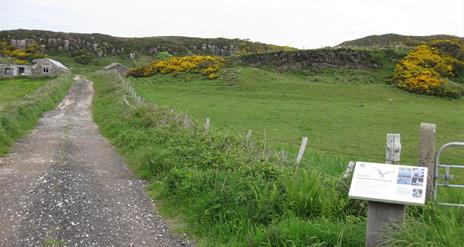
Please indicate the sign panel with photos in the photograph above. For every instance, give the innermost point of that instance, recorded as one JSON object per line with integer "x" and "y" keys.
{"x": 389, "y": 183}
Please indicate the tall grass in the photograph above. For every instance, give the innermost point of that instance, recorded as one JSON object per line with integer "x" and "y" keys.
{"x": 19, "y": 116}
{"x": 229, "y": 189}
{"x": 234, "y": 191}
{"x": 429, "y": 226}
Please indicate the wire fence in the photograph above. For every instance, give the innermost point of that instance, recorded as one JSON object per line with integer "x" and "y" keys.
{"x": 132, "y": 99}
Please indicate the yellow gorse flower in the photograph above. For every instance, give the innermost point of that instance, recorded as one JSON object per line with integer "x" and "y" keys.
{"x": 423, "y": 69}
{"x": 205, "y": 65}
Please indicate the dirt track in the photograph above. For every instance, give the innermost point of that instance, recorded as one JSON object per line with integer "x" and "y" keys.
{"x": 65, "y": 185}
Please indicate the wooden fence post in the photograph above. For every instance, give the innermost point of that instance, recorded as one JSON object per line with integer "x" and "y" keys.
{"x": 207, "y": 125}
{"x": 427, "y": 154}
{"x": 345, "y": 180}
{"x": 349, "y": 170}
{"x": 304, "y": 142}
{"x": 248, "y": 135}
{"x": 379, "y": 213}
{"x": 186, "y": 121}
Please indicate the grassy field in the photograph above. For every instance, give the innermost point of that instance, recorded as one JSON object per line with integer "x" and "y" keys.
{"x": 343, "y": 112}
{"x": 13, "y": 88}
{"x": 230, "y": 191}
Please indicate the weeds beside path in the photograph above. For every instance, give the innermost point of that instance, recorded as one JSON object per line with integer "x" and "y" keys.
{"x": 64, "y": 185}
{"x": 19, "y": 115}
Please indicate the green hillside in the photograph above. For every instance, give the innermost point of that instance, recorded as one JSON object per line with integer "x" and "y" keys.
{"x": 106, "y": 45}
{"x": 393, "y": 40}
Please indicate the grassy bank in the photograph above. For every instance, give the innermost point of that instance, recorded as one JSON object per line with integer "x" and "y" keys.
{"x": 231, "y": 191}
{"x": 25, "y": 102}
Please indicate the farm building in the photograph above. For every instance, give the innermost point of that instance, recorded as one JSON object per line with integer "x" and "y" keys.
{"x": 41, "y": 67}
{"x": 117, "y": 67}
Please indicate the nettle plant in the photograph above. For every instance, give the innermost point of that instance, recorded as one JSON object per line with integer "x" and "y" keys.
{"x": 428, "y": 70}
{"x": 205, "y": 65}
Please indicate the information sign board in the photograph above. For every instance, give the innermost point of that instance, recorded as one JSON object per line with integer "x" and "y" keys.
{"x": 389, "y": 183}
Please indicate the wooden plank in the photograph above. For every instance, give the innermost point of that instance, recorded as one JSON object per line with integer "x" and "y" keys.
{"x": 427, "y": 154}
{"x": 393, "y": 151}
{"x": 380, "y": 214}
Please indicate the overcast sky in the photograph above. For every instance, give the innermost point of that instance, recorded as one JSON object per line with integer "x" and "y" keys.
{"x": 297, "y": 23}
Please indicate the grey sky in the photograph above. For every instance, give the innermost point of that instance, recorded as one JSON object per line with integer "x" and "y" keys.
{"x": 298, "y": 23}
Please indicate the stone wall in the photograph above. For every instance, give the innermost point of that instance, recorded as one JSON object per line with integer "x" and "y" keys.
{"x": 321, "y": 58}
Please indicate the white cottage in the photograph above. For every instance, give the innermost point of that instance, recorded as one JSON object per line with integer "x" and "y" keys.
{"x": 48, "y": 67}
{"x": 41, "y": 67}
{"x": 117, "y": 67}
{"x": 11, "y": 70}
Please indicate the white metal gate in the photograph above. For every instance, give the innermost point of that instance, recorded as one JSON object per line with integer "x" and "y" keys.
{"x": 446, "y": 177}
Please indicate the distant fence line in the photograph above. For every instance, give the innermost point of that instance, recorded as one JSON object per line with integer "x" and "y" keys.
{"x": 186, "y": 121}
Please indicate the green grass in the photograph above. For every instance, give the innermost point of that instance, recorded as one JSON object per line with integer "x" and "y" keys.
{"x": 236, "y": 192}
{"x": 14, "y": 88}
{"x": 343, "y": 112}
{"x": 230, "y": 191}
{"x": 24, "y": 101}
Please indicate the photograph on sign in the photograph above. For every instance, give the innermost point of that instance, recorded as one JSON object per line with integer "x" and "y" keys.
{"x": 389, "y": 183}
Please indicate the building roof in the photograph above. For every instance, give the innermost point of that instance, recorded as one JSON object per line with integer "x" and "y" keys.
{"x": 54, "y": 62}
{"x": 111, "y": 66}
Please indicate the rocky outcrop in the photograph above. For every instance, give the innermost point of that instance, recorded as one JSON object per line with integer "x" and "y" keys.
{"x": 103, "y": 45}
{"x": 321, "y": 58}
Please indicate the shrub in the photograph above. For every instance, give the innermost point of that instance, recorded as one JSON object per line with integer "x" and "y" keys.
{"x": 205, "y": 65}
{"x": 20, "y": 61}
{"x": 82, "y": 57}
{"x": 164, "y": 55}
{"x": 425, "y": 69}
{"x": 213, "y": 76}
{"x": 31, "y": 52}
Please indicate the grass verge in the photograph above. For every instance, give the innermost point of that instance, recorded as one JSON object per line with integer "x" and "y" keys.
{"x": 20, "y": 115}
{"x": 17, "y": 87}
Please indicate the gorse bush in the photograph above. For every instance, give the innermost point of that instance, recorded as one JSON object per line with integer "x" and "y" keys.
{"x": 427, "y": 70}
{"x": 205, "y": 65}
{"x": 20, "y": 62}
{"x": 32, "y": 51}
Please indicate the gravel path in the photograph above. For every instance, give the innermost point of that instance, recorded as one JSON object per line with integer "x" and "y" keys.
{"x": 65, "y": 185}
